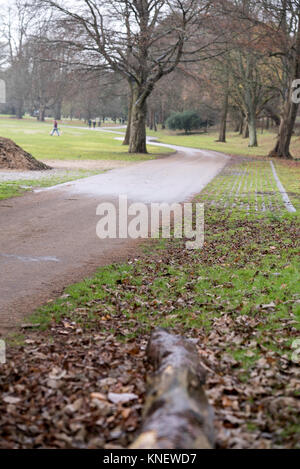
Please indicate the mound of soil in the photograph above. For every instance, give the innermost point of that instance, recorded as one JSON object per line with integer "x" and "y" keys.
{"x": 14, "y": 157}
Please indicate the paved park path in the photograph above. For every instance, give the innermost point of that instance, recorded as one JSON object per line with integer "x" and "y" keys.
{"x": 48, "y": 238}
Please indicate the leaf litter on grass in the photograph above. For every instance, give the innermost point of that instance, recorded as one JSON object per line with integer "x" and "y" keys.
{"x": 81, "y": 382}
{"x": 70, "y": 388}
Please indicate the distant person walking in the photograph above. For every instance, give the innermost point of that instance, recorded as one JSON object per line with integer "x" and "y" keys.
{"x": 94, "y": 124}
{"x": 55, "y": 129}
{"x": 90, "y": 123}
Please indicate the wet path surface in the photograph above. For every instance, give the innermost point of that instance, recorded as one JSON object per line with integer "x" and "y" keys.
{"x": 48, "y": 238}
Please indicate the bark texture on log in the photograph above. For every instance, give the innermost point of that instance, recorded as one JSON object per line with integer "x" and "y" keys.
{"x": 177, "y": 414}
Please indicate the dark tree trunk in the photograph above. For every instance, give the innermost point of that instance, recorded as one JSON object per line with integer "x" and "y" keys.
{"x": 137, "y": 142}
{"x": 246, "y": 128}
{"x": 241, "y": 126}
{"x": 282, "y": 147}
{"x": 162, "y": 118}
{"x": 290, "y": 110}
{"x": 126, "y": 140}
{"x": 177, "y": 414}
{"x": 252, "y": 130}
{"x": 154, "y": 122}
{"x": 150, "y": 120}
{"x": 42, "y": 112}
{"x": 127, "y": 133}
{"x": 223, "y": 124}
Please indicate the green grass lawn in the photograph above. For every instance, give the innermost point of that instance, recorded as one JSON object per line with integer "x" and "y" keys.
{"x": 74, "y": 144}
{"x": 235, "y": 145}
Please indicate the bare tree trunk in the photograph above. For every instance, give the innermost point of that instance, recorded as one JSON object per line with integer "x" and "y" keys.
{"x": 223, "y": 124}
{"x": 150, "y": 120}
{"x": 137, "y": 142}
{"x": 127, "y": 133}
{"x": 154, "y": 122}
{"x": 246, "y": 128}
{"x": 126, "y": 140}
{"x": 241, "y": 127}
{"x": 177, "y": 413}
{"x": 162, "y": 117}
{"x": 252, "y": 130}
{"x": 290, "y": 110}
{"x": 41, "y": 116}
{"x": 282, "y": 147}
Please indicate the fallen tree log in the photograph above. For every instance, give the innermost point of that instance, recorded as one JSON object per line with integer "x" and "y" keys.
{"x": 177, "y": 414}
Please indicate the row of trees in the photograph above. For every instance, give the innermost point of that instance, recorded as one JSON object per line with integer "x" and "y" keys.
{"x": 146, "y": 58}
{"x": 43, "y": 79}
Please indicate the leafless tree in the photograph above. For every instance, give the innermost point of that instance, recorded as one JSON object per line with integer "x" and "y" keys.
{"x": 143, "y": 40}
{"x": 284, "y": 25}
{"x": 278, "y": 26}
{"x": 17, "y": 22}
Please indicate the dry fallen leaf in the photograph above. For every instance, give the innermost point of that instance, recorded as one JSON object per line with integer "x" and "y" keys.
{"x": 121, "y": 398}
{"x": 11, "y": 400}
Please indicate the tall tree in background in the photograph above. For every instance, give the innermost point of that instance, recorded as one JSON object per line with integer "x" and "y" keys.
{"x": 278, "y": 22}
{"x": 18, "y": 20}
{"x": 283, "y": 20}
{"x": 141, "y": 39}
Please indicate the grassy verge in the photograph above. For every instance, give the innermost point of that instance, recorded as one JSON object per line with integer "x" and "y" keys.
{"x": 74, "y": 144}
{"x": 238, "y": 296}
{"x": 235, "y": 145}
{"x": 16, "y": 188}
{"x": 244, "y": 240}
{"x": 289, "y": 172}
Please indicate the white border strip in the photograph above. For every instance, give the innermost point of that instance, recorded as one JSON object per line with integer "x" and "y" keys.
{"x": 289, "y": 206}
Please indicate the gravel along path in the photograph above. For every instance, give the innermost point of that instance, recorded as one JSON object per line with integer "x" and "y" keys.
{"x": 88, "y": 164}
{"x": 62, "y": 168}
{"x": 6, "y": 175}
